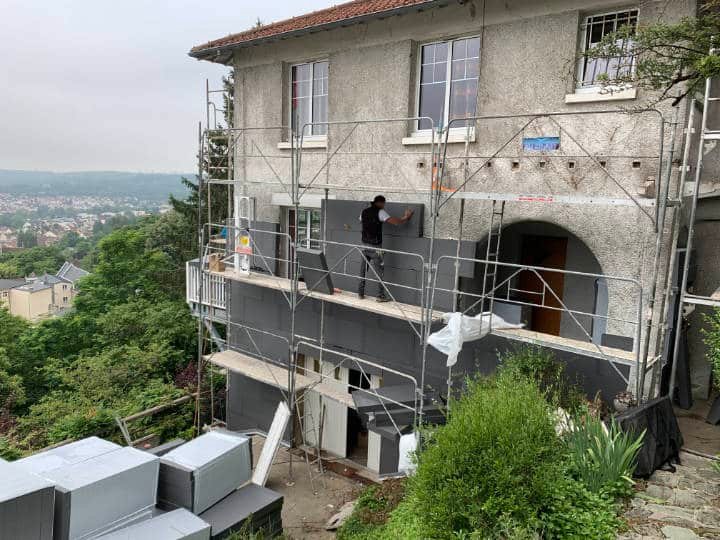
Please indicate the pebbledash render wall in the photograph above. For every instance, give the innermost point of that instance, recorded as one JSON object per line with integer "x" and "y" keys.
{"x": 527, "y": 65}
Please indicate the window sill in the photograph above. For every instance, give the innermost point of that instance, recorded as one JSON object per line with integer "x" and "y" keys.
{"x": 307, "y": 143}
{"x": 423, "y": 138}
{"x": 596, "y": 96}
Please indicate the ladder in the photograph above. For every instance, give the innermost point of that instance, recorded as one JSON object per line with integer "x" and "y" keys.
{"x": 687, "y": 298}
{"x": 492, "y": 254}
{"x": 314, "y": 462}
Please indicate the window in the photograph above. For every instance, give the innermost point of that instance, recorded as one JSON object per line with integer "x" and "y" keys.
{"x": 309, "y": 98}
{"x": 449, "y": 73}
{"x": 65, "y": 299}
{"x": 594, "y": 28}
{"x": 309, "y": 231}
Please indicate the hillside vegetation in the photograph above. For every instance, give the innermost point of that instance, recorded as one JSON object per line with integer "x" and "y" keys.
{"x": 127, "y": 345}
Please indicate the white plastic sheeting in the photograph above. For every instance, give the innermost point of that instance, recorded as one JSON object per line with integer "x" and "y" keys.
{"x": 460, "y": 328}
{"x": 408, "y": 445}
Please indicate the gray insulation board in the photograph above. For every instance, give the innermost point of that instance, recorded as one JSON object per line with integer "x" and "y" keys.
{"x": 251, "y": 501}
{"x": 26, "y": 505}
{"x": 95, "y": 495}
{"x": 68, "y": 454}
{"x": 201, "y": 472}
{"x": 179, "y": 524}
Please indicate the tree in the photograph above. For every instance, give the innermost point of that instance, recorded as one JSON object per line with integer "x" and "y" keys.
{"x": 672, "y": 58}
{"x": 26, "y": 238}
{"x": 213, "y": 167}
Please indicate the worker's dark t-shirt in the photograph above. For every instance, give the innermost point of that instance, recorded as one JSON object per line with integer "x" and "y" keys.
{"x": 372, "y": 219}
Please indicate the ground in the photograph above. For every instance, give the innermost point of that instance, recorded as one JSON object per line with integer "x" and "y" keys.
{"x": 680, "y": 505}
{"x": 305, "y": 512}
{"x": 685, "y": 504}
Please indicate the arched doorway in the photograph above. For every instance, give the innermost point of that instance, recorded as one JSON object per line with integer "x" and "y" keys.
{"x": 539, "y": 298}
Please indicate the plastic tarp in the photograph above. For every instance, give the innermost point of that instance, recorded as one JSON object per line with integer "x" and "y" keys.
{"x": 408, "y": 444}
{"x": 460, "y": 328}
{"x": 663, "y": 440}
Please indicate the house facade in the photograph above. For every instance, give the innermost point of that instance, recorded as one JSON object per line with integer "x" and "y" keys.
{"x": 479, "y": 116}
{"x": 38, "y": 297}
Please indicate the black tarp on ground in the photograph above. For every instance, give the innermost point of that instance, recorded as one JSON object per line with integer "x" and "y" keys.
{"x": 663, "y": 439}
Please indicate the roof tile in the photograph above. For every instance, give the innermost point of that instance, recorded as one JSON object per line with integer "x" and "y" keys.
{"x": 342, "y": 12}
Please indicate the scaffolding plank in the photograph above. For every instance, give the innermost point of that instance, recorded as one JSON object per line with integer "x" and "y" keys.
{"x": 583, "y": 348}
{"x": 277, "y": 376}
{"x": 701, "y": 300}
{"x": 396, "y": 310}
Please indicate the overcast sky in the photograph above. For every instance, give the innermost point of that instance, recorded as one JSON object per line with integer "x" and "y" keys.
{"x": 107, "y": 84}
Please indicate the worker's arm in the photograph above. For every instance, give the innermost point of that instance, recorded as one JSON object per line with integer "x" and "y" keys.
{"x": 399, "y": 221}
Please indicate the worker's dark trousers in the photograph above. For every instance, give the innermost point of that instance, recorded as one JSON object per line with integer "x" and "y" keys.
{"x": 374, "y": 257}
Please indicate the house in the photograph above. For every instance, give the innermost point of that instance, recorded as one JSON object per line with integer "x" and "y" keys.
{"x": 32, "y": 301}
{"x": 38, "y": 297}
{"x": 5, "y": 286}
{"x": 535, "y": 195}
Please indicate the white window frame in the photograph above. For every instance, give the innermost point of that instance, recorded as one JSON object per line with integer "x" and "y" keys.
{"x": 448, "y": 76}
{"x": 580, "y": 67}
{"x": 307, "y": 138}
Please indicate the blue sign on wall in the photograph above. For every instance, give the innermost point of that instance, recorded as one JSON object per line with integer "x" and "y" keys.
{"x": 540, "y": 144}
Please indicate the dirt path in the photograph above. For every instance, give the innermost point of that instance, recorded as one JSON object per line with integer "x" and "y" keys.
{"x": 305, "y": 512}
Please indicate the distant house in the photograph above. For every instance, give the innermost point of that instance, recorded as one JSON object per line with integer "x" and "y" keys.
{"x": 5, "y": 286}
{"x": 38, "y": 297}
{"x": 32, "y": 300}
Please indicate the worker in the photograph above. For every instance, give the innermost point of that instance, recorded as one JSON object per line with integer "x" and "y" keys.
{"x": 372, "y": 219}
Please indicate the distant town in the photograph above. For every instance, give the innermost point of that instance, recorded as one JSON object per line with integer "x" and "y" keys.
{"x": 43, "y": 220}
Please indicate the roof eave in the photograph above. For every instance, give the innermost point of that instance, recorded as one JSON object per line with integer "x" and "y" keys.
{"x": 222, "y": 54}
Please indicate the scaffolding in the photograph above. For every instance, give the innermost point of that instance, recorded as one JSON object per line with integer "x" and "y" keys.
{"x": 441, "y": 176}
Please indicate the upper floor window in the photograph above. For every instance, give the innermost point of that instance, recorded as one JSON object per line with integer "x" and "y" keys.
{"x": 595, "y": 27}
{"x": 448, "y": 82}
{"x": 309, "y": 98}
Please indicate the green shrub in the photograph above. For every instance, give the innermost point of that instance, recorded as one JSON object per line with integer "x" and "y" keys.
{"x": 603, "y": 458}
{"x": 372, "y": 510}
{"x": 494, "y": 463}
{"x": 541, "y": 366}
{"x": 576, "y": 512}
{"x": 711, "y": 338}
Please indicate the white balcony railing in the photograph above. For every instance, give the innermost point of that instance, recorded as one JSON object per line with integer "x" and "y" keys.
{"x": 213, "y": 287}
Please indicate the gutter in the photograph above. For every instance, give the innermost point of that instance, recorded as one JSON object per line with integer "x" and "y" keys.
{"x": 214, "y": 54}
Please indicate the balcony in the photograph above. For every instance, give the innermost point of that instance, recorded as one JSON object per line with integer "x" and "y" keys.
{"x": 214, "y": 293}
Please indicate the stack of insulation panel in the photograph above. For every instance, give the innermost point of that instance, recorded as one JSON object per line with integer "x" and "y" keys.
{"x": 99, "y": 487}
{"x": 251, "y": 508}
{"x": 26, "y": 505}
{"x": 179, "y": 524}
{"x": 203, "y": 471}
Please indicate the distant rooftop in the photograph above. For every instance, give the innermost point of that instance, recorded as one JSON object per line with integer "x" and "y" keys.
{"x": 70, "y": 272}
{"x": 11, "y": 283}
{"x": 357, "y": 11}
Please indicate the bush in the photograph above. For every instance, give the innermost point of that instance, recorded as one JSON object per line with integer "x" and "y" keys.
{"x": 603, "y": 458}
{"x": 541, "y": 366}
{"x": 372, "y": 510}
{"x": 494, "y": 463}
{"x": 576, "y": 512}
{"x": 711, "y": 338}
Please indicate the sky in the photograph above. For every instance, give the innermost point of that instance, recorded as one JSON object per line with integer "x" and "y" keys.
{"x": 107, "y": 84}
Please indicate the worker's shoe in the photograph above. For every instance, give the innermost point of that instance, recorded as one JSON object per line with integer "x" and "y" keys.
{"x": 361, "y": 295}
{"x": 382, "y": 299}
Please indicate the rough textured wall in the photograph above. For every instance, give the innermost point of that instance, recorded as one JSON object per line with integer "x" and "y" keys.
{"x": 527, "y": 65}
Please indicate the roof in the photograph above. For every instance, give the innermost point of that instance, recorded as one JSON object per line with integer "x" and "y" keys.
{"x": 69, "y": 272}
{"x": 356, "y": 11}
{"x": 11, "y": 283}
{"x": 34, "y": 286}
{"x": 49, "y": 279}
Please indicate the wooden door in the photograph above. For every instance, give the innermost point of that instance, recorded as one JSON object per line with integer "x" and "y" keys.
{"x": 548, "y": 252}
